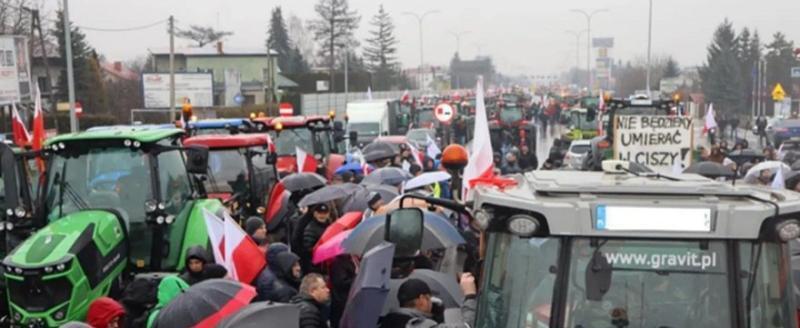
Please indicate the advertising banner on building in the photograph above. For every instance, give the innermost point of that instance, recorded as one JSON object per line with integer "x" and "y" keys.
{"x": 15, "y": 70}
{"x": 197, "y": 87}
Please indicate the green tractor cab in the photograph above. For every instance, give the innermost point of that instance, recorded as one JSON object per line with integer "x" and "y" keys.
{"x": 582, "y": 124}
{"x": 116, "y": 203}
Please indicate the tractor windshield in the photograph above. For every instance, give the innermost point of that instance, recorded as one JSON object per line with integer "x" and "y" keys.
{"x": 111, "y": 178}
{"x": 288, "y": 140}
{"x": 647, "y": 282}
{"x": 227, "y": 170}
{"x": 511, "y": 115}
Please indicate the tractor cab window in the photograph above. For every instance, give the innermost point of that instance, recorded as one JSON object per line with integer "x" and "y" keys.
{"x": 510, "y": 115}
{"x": 263, "y": 173}
{"x": 322, "y": 142}
{"x": 2, "y": 193}
{"x": 288, "y": 140}
{"x": 175, "y": 186}
{"x": 227, "y": 171}
{"x": 106, "y": 178}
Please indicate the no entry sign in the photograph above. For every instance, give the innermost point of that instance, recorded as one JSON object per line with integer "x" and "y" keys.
{"x": 444, "y": 113}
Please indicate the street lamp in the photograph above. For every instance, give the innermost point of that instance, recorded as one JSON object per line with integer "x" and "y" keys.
{"x": 458, "y": 35}
{"x": 649, "y": 38}
{"x": 589, "y": 16}
{"x": 577, "y": 50}
{"x": 420, "y": 18}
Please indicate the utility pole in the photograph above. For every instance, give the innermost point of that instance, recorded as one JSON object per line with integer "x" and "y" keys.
{"x": 420, "y": 18}
{"x": 589, "y": 41}
{"x": 172, "y": 69}
{"x": 649, "y": 42}
{"x": 49, "y": 83}
{"x": 458, "y": 35}
{"x": 73, "y": 119}
{"x": 346, "y": 73}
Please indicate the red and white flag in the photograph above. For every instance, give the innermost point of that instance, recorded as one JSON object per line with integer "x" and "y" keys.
{"x": 242, "y": 255}
{"x": 38, "y": 122}
{"x": 711, "y": 122}
{"x": 233, "y": 249}
{"x": 601, "y": 107}
{"x": 481, "y": 164}
{"x": 406, "y": 98}
{"x": 305, "y": 162}
{"x": 415, "y": 153}
{"x": 20, "y": 132}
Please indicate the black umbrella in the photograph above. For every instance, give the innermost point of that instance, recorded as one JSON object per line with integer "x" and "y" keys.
{"x": 709, "y": 169}
{"x": 791, "y": 180}
{"x": 377, "y": 151}
{"x": 205, "y": 304}
{"x": 303, "y": 181}
{"x": 796, "y": 165}
{"x": 359, "y": 201}
{"x": 437, "y": 233}
{"x": 264, "y": 315}
{"x": 329, "y": 194}
{"x": 387, "y": 175}
{"x": 442, "y": 285}
{"x": 370, "y": 288}
{"x": 744, "y": 155}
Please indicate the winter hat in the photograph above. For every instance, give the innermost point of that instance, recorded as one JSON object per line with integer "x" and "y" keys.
{"x": 412, "y": 289}
{"x": 252, "y": 224}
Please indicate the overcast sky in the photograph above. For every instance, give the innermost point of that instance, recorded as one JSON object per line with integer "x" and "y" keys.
{"x": 523, "y": 36}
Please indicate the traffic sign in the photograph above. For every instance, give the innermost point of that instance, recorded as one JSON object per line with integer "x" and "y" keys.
{"x": 238, "y": 98}
{"x": 796, "y": 72}
{"x": 778, "y": 93}
{"x": 286, "y": 109}
{"x": 444, "y": 113}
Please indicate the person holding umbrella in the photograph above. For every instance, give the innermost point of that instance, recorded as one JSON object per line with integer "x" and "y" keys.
{"x": 416, "y": 304}
{"x": 321, "y": 218}
{"x": 314, "y": 293}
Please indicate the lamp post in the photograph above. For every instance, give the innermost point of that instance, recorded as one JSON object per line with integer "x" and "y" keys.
{"x": 577, "y": 35}
{"x": 649, "y": 42}
{"x": 589, "y": 16}
{"x": 420, "y": 18}
{"x": 458, "y": 36}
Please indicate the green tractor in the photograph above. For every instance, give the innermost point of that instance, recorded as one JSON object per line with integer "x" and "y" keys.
{"x": 114, "y": 203}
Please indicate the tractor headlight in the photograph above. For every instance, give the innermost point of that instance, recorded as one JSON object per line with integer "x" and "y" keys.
{"x": 48, "y": 269}
{"x": 150, "y": 206}
{"x": 788, "y": 230}
{"x": 482, "y": 218}
{"x": 62, "y": 146}
{"x": 17, "y": 316}
{"x": 169, "y": 219}
{"x": 18, "y": 270}
{"x": 523, "y": 225}
{"x": 137, "y": 144}
{"x": 161, "y": 206}
{"x": 160, "y": 220}
{"x": 61, "y": 267}
{"x": 9, "y": 226}
{"x": 127, "y": 142}
{"x": 9, "y": 212}
{"x": 20, "y": 212}
{"x": 59, "y": 315}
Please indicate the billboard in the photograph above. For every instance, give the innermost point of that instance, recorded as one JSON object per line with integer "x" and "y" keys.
{"x": 198, "y": 87}
{"x": 603, "y": 42}
{"x": 15, "y": 70}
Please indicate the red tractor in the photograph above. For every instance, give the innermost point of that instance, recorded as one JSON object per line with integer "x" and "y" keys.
{"x": 241, "y": 171}
{"x": 317, "y": 135}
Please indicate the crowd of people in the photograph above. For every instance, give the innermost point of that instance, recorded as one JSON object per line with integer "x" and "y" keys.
{"x": 319, "y": 290}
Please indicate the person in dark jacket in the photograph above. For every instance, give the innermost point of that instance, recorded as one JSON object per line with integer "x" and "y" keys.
{"x": 311, "y": 234}
{"x": 343, "y": 273}
{"x": 196, "y": 260}
{"x": 416, "y": 305}
{"x": 285, "y": 267}
{"x": 512, "y": 165}
{"x": 314, "y": 293}
{"x": 266, "y": 279}
{"x": 527, "y": 159}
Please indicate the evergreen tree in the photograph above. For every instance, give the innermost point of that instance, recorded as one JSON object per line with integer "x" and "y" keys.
{"x": 749, "y": 49}
{"x": 86, "y": 71}
{"x": 722, "y": 74}
{"x": 333, "y": 29}
{"x": 780, "y": 59}
{"x": 671, "y": 68}
{"x": 290, "y": 61}
{"x": 380, "y": 51}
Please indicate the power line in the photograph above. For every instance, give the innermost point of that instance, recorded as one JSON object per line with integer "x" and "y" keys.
{"x": 127, "y": 29}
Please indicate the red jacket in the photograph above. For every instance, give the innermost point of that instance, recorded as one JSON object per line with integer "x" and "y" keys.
{"x": 102, "y": 311}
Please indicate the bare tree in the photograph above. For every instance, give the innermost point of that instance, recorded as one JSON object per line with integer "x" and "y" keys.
{"x": 15, "y": 18}
{"x": 202, "y": 35}
{"x": 333, "y": 29}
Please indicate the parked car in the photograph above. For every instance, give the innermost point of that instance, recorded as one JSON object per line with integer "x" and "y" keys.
{"x": 419, "y": 137}
{"x": 784, "y": 130}
{"x": 577, "y": 149}
{"x": 792, "y": 145}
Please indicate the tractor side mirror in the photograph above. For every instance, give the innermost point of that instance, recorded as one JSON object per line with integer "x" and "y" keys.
{"x": 404, "y": 228}
{"x": 272, "y": 158}
{"x": 197, "y": 159}
{"x": 353, "y": 135}
{"x": 598, "y": 277}
{"x": 338, "y": 131}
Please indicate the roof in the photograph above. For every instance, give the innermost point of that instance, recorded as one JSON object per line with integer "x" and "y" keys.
{"x": 569, "y": 201}
{"x": 218, "y": 123}
{"x": 284, "y": 82}
{"x": 119, "y": 70}
{"x": 393, "y": 139}
{"x": 144, "y": 135}
{"x": 215, "y": 141}
{"x": 212, "y": 51}
{"x": 291, "y": 121}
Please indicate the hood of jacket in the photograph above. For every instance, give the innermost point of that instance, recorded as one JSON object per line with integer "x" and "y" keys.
{"x": 102, "y": 311}
{"x": 169, "y": 288}
{"x": 283, "y": 265}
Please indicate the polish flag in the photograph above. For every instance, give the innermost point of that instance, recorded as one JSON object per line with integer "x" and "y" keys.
{"x": 601, "y": 107}
{"x": 216, "y": 232}
{"x": 243, "y": 257}
{"x": 21, "y": 135}
{"x": 711, "y": 122}
{"x": 406, "y": 97}
{"x": 369, "y": 93}
{"x": 305, "y": 162}
{"x": 432, "y": 149}
{"x": 415, "y": 153}
{"x": 275, "y": 200}
{"x": 480, "y": 165}
{"x": 38, "y": 122}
